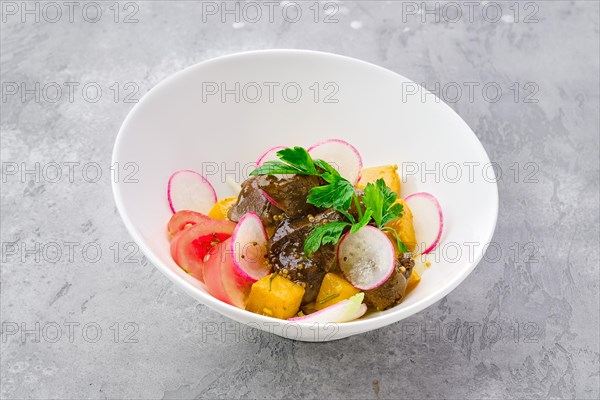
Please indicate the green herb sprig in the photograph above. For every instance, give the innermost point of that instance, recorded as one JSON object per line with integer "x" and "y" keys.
{"x": 294, "y": 160}
{"x": 339, "y": 194}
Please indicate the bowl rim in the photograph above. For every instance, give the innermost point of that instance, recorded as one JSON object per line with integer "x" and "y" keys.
{"x": 375, "y": 320}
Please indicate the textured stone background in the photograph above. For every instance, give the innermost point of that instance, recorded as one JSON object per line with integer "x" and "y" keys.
{"x": 527, "y": 318}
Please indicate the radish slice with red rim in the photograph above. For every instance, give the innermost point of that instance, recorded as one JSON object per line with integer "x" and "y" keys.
{"x": 344, "y": 311}
{"x": 341, "y": 155}
{"x": 366, "y": 258}
{"x": 249, "y": 247}
{"x": 269, "y": 155}
{"x": 236, "y": 285}
{"x": 188, "y": 190}
{"x": 428, "y": 220}
{"x": 269, "y": 198}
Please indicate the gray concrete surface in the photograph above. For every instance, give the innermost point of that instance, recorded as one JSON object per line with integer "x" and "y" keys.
{"x": 525, "y": 324}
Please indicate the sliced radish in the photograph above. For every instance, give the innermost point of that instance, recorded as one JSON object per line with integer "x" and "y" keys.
{"x": 249, "y": 246}
{"x": 366, "y": 257}
{"x": 190, "y": 247}
{"x": 269, "y": 155}
{"x": 184, "y": 219}
{"x": 428, "y": 220}
{"x": 188, "y": 190}
{"x": 344, "y": 311}
{"x": 235, "y": 284}
{"x": 269, "y": 198}
{"x": 341, "y": 155}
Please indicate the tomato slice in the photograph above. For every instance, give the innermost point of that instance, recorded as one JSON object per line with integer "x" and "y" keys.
{"x": 212, "y": 272}
{"x": 205, "y": 245}
{"x": 190, "y": 247}
{"x": 184, "y": 219}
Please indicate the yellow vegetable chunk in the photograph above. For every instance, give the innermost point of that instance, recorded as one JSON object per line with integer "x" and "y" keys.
{"x": 387, "y": 172}
{"x": 404, "y": 227}
{"x": 275, "y": 296}
{"x": 334, "y": 289}
{"x": 221, "y": 208}
{"x": 413, "y": 281}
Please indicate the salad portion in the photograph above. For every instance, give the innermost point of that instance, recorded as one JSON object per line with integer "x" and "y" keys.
{"x": 312, "y": 236}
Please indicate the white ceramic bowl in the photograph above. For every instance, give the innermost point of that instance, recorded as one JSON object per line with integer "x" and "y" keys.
{"x": 192, "y": 120}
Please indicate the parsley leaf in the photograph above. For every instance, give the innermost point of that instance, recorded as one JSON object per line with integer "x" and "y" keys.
{"x": 299, "y": 158}
{"x": 363, "y": 221}
{"x": 399, "y": 243}
{"x": 373, "y": 199}
{"x": 329, "y": 170}
{"x": 380, "y": 199}
{"x": 294, "y": 160}
{"x": 276, "y": 167}
{"x": 392, "y": 213}
{"x": 346, "y": 214}
{"x": 337, "y": 193}
{"x": 331, "y": 233}
{"x": 324, "y": 234}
